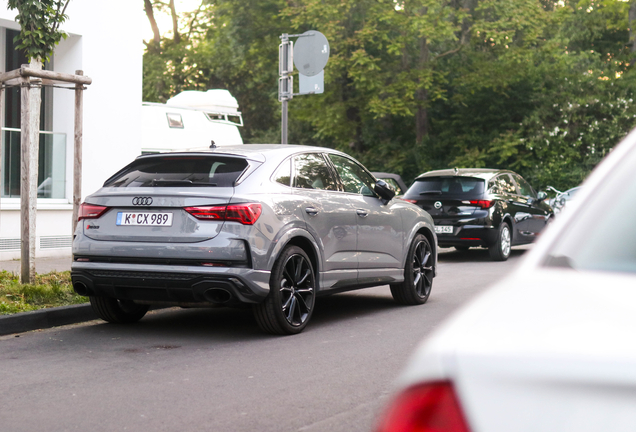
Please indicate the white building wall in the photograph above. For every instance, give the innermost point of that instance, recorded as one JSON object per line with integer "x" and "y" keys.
{"x": 105, "y": 42}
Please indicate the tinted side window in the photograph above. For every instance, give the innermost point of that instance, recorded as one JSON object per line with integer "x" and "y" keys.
{"x": 505, "y": 185}
{"x": 179, "y": 171}
{"x": 283, "y": 173}
{"x": 354, "y": 177}
{"x": 312, "y": 172}
{"x": 524, "y": 188}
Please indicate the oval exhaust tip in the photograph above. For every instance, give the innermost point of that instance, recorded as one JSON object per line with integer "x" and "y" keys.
{"x": 80, "y": 288}
{"x": 217, "y": 295}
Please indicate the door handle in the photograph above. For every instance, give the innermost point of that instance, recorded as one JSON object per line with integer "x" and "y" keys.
{"x": 362, "y": 213}
{"x": 311, "y": 211}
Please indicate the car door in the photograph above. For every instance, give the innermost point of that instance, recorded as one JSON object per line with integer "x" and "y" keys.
{"x": 380, "y": 242}
{"x": 538, "y": 210}
{"x": 329, "y": 216}
{"x": 512, "y": 203}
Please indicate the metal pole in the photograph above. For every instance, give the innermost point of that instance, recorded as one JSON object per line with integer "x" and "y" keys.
{"x": 283, "y": 126}
{"x": 284, "y": 100}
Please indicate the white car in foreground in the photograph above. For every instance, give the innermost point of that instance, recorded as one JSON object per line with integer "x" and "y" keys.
{"x": 553, "y": 346}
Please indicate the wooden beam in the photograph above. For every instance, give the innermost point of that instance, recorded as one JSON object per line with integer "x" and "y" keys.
{"x": 28, "y": 189}
{"x": 54, "y": 76}
{"x": 77, "y": 158}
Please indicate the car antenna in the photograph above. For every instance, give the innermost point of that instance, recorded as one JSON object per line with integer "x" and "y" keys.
{"x": 212, "y": 145}
{"x": 456, "y": 170}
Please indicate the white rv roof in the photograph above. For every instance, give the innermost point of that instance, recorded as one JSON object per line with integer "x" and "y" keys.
{"x": 217, "y": 100}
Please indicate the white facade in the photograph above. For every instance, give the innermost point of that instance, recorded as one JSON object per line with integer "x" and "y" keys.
{"x": 105, "y": 42}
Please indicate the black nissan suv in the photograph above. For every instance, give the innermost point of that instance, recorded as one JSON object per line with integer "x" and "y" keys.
{"x": 481, "y": 207}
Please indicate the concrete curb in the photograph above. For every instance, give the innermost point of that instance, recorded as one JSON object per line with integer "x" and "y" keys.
{"x": 45, "y": 318}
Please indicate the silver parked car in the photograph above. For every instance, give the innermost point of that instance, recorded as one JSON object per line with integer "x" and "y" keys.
{"x": 272, "y": 226}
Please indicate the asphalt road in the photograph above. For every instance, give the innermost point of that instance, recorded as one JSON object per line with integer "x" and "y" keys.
{"x": 213, "y": 370}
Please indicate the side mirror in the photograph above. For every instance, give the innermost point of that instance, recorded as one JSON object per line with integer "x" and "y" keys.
{"x": 541, "y": 196}
{"x": 384, "y": 191}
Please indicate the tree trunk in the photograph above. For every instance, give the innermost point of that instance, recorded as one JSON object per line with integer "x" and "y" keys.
{"x": 30, "y": 140}
{"x": 175, "y": 23}
{"x": 153, "y": 23}
{"x": 470, "y": 5}
{"x": 421, "y": 96}
{"x": 632, "y": 30}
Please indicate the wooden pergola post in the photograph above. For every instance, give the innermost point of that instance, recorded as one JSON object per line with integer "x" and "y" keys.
{"x": 30, "y": 140}
{"x": 77, "y": 155}
{"x": 29, "y": 78}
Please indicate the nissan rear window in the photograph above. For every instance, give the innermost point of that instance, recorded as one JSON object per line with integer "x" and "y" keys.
{"x": 180, "y": 171}
{"x": 457, "y": 187}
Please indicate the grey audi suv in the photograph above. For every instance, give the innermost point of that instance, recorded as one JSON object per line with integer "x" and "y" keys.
{"x": 271, "y": 226}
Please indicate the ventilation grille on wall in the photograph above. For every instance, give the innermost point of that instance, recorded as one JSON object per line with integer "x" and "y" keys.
{"x": 56, "y": 242}
{"x": 9, "y": 244}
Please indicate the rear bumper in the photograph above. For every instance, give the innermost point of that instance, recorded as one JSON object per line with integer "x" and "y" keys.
{"x": 469, "y": 235}
{"x": 186, "y": 285}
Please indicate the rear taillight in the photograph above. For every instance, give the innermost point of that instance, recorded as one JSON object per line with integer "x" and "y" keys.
{"x": 246, "y": 214}
{"x": 431, "y": 407}
{"x": 90, "y": 211}
{"x": 483, "y": 203}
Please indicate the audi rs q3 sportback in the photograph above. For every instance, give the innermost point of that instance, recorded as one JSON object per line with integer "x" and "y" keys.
{"x": 271, "y": 226}
{"x": 481, "y": 207}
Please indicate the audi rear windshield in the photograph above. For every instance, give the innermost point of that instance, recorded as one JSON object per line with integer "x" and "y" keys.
{"x": 447, "y": 186}
{"x": 180, "y": 171}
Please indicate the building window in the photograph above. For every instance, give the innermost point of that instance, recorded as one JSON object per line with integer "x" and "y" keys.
{"x": 52, "y": 147}
{"x": 51, "y": 165}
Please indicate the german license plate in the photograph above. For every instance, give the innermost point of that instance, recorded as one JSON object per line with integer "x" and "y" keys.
{"x": 144, "y": 218}
{"x": 441, "y": 229}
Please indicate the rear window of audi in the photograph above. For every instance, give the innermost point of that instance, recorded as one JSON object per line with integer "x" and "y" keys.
{"x": 180, "y": 171}
{"x": 452, "y": 186}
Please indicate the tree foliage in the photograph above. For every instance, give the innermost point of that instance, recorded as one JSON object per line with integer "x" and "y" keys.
{"x": 543, "y": 87}
{"x": 40, "y": 26}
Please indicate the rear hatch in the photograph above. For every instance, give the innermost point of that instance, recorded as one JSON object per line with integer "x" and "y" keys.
{"x": 167, "y": 199}
{"x": 447, "y": 198}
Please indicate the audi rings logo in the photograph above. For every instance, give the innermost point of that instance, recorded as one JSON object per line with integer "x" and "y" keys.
{"x": 437, "y": 205}
{"x": 142, "y": 201}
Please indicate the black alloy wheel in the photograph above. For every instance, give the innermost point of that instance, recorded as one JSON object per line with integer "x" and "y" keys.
{"x": 290, "y": 303}
{"x": 418, "y": 274}
{"x": 118, "y": 311}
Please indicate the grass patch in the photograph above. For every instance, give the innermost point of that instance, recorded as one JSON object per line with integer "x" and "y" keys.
{"x": 49, "y": 290}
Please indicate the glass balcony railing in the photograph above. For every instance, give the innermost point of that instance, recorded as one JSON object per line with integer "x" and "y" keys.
{"x": 51, "y": 164}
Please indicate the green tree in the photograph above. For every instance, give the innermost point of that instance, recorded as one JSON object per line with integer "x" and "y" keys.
{"x": 39, "y": 26}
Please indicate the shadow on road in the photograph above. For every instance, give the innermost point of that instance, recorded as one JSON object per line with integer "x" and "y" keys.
{"x": 230, "y": 324}
{"x": 475, "y": 254}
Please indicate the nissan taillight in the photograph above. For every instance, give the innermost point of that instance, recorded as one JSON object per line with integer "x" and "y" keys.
{"x": 90, "y": 211}
{"x": 246, "y": 214}
{"x": 432, "y": 407}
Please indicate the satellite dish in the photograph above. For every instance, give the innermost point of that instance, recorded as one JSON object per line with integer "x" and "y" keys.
{"x": 311, "y": 53}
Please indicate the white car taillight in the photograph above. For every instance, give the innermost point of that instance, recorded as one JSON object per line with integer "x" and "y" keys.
{"x": 431, "y": 407}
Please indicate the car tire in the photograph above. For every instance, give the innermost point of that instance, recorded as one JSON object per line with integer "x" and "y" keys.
{"x": 118, "y": 311}
{"x": 418, "y": 274}
{"x": 290, "y": 303}
{"x": 500, "y": 251}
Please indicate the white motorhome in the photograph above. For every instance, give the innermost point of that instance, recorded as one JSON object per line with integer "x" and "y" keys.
{"x": 191, "y": 120}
